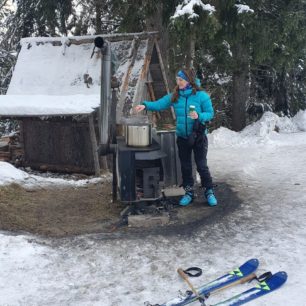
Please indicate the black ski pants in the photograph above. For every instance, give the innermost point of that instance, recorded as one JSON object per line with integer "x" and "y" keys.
{"x": 199, "y": 149}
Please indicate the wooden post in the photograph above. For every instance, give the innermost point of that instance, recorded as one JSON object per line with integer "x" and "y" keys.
{"x": 163, "y": 70}
{"x": 156, "y": 115}
{"x": 185, "y": 278}
{"x": 138, "y": 96}
{"x": 162, "y": 67}
{"x": 94, "y": 145}
{"x": 239, "y": 281}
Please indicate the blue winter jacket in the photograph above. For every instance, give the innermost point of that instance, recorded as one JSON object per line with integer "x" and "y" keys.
{"x": 184, "y": 123}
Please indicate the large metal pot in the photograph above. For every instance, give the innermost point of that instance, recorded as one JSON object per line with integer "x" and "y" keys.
{"x": 138, "y": 135}
{"x": 138, "y": 131}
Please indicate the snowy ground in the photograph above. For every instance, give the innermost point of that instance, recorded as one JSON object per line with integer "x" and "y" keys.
{"x": 268, "y": 172}
{"x": 9, "y": 174}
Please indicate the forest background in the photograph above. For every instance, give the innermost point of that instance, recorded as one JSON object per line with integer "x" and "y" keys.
{"x": 249, "y": 55}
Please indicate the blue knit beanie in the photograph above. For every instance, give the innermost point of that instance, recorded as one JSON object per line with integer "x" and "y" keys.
{"x": 181, "y": 74}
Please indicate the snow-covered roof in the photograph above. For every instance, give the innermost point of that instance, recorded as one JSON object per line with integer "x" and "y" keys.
{"x": 47, "y": 105}
{"x": 63, "y": 67}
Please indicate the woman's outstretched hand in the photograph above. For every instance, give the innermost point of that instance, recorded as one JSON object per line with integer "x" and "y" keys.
{"x": 139, "y": 108}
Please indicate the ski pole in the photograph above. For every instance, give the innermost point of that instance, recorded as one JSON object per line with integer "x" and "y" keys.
{"x": 239, "y": 281}
{"x": 185, "y": 278}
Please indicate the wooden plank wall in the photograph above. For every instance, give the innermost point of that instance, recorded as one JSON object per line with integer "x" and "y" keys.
{"x": 58, "y": 144}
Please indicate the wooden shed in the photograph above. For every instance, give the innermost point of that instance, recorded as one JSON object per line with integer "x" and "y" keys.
{"x": 55, "y": 95}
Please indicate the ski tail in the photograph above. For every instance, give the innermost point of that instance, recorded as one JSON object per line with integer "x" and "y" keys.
{"x": 262, "y": 288}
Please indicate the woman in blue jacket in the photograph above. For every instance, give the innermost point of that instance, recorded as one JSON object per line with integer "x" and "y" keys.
{"x": 188, "y": 93}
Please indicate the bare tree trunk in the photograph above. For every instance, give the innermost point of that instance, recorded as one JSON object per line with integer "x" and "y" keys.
{"x": 241, "y": 86}
{"x": 98, "y": 6}
{"x": 281, "y": 95}
{"x": 63, "y": 24}
{"x": 191, "y": 51}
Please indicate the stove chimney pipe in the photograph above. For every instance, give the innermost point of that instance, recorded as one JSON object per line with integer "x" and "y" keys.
{"x": 105, "y": 94}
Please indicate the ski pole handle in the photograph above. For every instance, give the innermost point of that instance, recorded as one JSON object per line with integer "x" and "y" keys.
{"x": 185, "y": 278}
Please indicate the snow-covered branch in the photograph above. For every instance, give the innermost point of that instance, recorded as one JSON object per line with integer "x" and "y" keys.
{"x": 188, "y": 6}
{"x": 242, "y": 8}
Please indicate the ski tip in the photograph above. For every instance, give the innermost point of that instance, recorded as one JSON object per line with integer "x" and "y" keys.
{"x": 254, "y": 262}
{"x": 282, "y": 275}
{"x": 276, "y": 280}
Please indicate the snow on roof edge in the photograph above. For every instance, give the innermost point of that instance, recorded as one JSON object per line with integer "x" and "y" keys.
{"x": 46, "y": 105}
{"x": 64, "y": 39}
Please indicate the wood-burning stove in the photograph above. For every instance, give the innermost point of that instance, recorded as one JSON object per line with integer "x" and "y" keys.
{"x": 139, "y": 171}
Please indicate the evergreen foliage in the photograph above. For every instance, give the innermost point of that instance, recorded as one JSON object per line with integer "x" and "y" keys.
{"x": 43, "y": 18}
{"x": 7, "y": 56}
{"x": 249, "y": 53}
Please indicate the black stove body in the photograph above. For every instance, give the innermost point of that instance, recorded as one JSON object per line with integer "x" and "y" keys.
{"x": 139, "y": 172}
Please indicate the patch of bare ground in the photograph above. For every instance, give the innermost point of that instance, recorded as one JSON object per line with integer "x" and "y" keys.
{"x": 58, "y": 212}
{"x": 69, "y": 211}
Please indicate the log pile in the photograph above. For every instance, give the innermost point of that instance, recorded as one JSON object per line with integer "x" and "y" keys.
{"x": 11, "y": 149}
{"x": 4, "y": 149}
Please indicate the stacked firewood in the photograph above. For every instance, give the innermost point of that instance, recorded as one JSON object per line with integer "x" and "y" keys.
{"x": 11, "y": 149}
{"x": 5, "y": 154}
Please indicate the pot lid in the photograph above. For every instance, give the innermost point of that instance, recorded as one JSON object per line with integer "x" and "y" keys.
{"x": 135, "y": 120}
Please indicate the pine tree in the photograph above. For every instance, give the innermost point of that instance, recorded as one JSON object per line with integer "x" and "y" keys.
{"x": 236, "y": 35}
{"x": 254, "y": 59}
{"x": 43, "y": 18}
{"x": 7, "y": 56}
{"x": 277, "y": 56}
{"x": 188, "y": 27}
{"x": 96, "y": 17}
